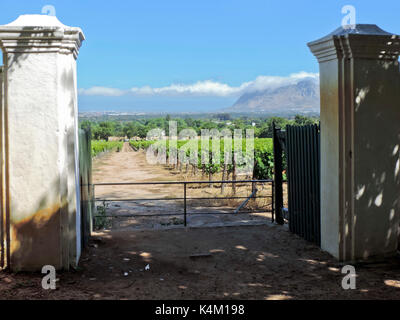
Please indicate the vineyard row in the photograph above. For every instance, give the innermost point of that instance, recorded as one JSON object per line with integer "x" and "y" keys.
{"x": 263, "y": 158}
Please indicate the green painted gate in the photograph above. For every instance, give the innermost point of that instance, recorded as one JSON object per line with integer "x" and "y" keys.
{"x": 85, "y": 173}
{"x": 303, "y": 173}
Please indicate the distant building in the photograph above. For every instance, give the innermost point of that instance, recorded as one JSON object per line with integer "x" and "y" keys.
{"x": 116, "y": 138}
{"x": 156, "y": 137}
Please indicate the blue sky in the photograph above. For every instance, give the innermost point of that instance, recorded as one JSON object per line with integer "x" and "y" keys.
{"x": 183, "y": 55}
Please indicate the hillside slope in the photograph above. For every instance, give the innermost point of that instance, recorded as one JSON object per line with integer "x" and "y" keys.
{"x": 302, "y": 97}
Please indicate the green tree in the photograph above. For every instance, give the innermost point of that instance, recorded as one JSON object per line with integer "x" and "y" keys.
{"x": 103, "y": 131}
{"x": 300, "y": 120}
{"x": 266, "y": 129}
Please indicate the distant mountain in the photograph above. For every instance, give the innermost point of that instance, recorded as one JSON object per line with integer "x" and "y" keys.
{"x": 302, "y": 97}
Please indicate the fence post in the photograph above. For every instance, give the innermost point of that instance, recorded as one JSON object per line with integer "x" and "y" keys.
{"x": 278, "y": 178}
{"x": 94, "y": 208}
{"x": 4, "y": 227}
{"x": 184, "y": 204}
{"x": 273, "y": 201}
{"x": 90, "y": 179}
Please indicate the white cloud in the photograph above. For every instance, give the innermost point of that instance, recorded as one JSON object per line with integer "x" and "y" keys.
{"x": 203, "y": 88}
{"x": 272, "y": 82}
{"x": 101, "y": 91}
{"x": 208, "y": 87}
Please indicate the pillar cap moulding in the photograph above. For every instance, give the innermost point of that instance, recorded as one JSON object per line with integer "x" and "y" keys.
{"x": 35, "y": 33}
{"x": 364, "y": 41}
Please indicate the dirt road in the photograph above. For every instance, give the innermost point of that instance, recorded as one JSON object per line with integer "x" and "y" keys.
{"x": 131, "y": 166}
{"x": 240, "y": 262}
{"x": 247, "y": 262}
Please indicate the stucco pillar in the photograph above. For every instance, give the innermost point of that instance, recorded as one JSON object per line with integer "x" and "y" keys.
{"x": 41, "y": 142}
{"x": 360, "y": 142}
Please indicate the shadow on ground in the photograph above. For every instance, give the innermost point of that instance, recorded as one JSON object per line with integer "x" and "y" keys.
{"x": 247, "y": 262}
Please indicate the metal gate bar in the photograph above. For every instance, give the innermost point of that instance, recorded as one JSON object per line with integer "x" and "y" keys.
{"x": 185, "y": 198}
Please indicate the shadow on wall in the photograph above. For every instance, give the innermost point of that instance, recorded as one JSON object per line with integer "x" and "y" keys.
{"x": 48, "y": 235}
{"x": 377, "y": 118}
{"x": 35, "y": 240}
{"x": 28, "y": 32}
{"x": 42, "y": 233}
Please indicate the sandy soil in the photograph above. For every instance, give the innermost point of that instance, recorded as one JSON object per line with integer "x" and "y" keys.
{"x": 238, "y": 262}
{"x": 130, "y": 166}
{"x": 247, "y": 262}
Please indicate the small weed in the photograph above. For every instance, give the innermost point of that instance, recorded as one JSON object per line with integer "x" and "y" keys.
{"x": 173, "y": 221}
{"x": 101, "y": 221}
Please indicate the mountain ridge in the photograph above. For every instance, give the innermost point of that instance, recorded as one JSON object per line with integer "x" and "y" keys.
{"x": 300, "y": 97}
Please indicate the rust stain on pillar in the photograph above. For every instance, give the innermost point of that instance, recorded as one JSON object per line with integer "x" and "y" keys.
{"x": 40, "y": 147}
{"x": 36, "y": 237}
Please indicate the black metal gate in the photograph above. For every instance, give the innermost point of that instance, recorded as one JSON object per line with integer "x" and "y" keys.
{"x": 303, "y": 173}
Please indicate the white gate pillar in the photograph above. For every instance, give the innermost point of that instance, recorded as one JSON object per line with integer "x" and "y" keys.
{"x": 41, "y": 187}
{"x": 360, "y": 142}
